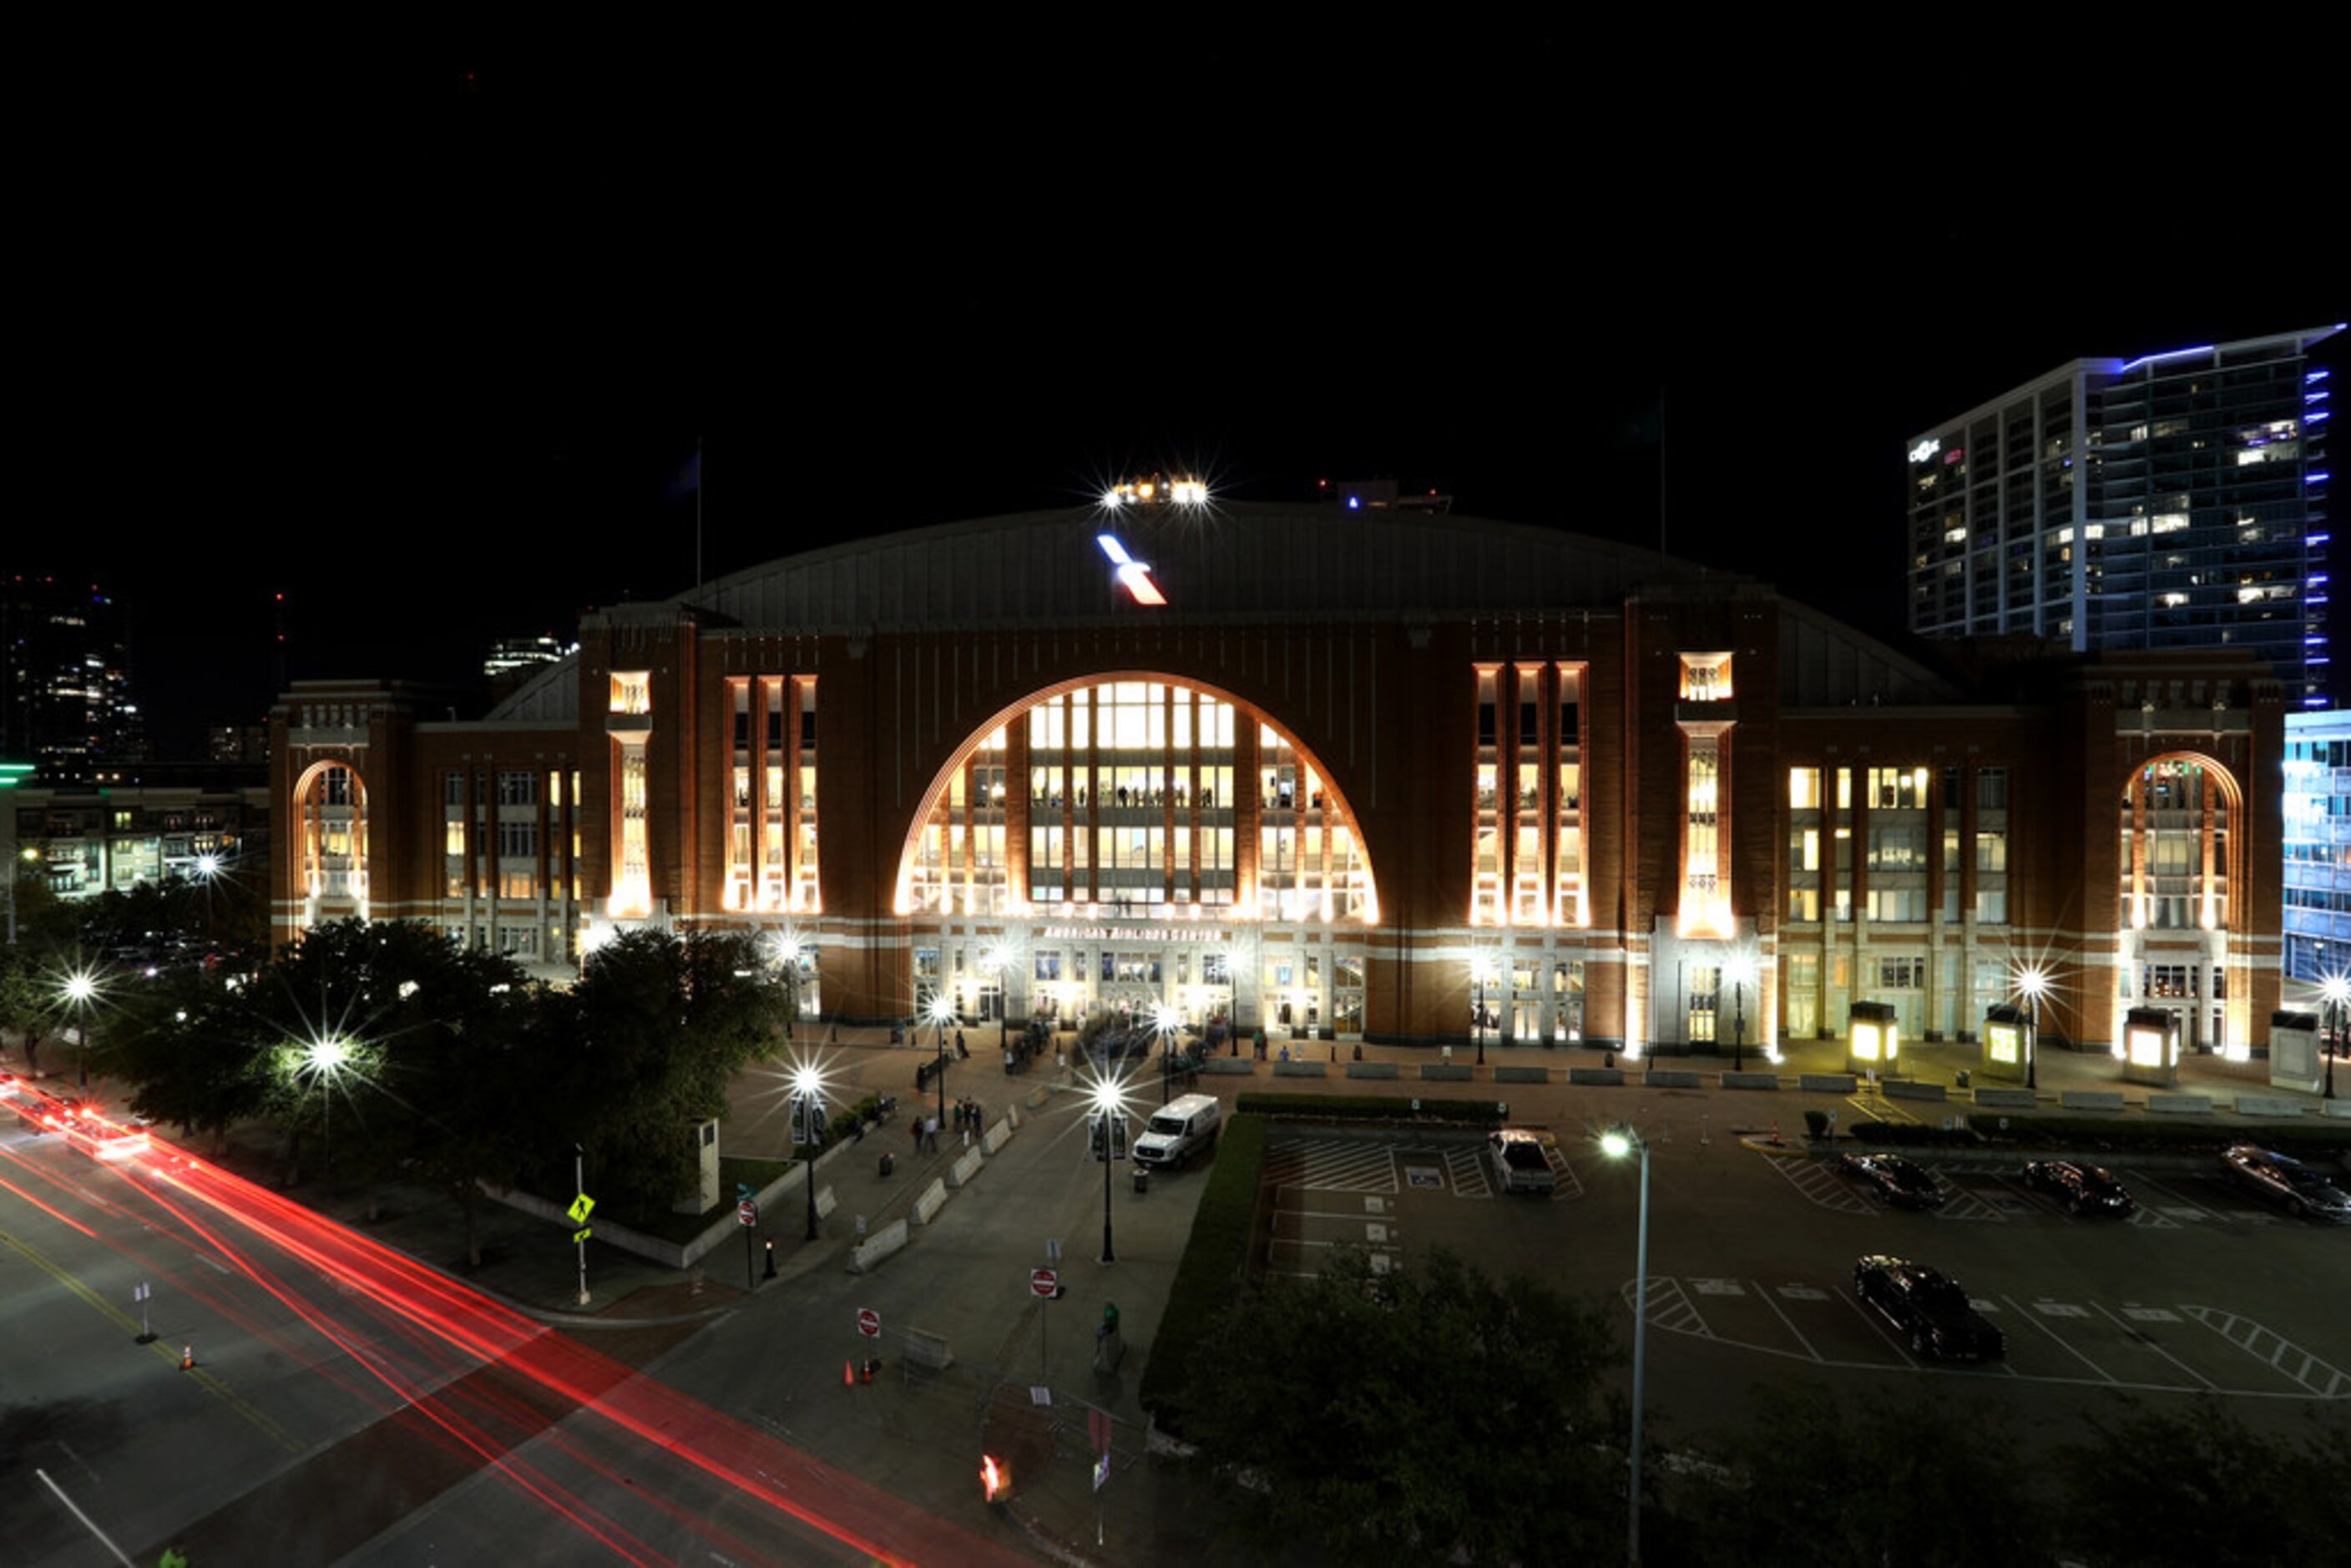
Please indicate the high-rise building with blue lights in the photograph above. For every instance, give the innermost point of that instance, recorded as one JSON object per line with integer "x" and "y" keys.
{"x": 2173, "y": 501}
{"x": 2318, "y": 827}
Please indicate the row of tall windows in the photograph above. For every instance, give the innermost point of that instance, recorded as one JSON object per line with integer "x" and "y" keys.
{"x": 771, "y": 835}
{"x": 1896, "y": 819}
{"x": 1527, "y": 844}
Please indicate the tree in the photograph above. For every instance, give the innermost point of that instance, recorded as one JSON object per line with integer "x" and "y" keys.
{"x": 2195, "y": 1485}
{"x": 1437, "y": 1416}
{"x": 188, "y": 1047}
{"x": 658, "y": 1026}
{"x": 1909, "y": 1479}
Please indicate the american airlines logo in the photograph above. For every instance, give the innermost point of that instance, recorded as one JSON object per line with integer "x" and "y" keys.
{"x": 1133, "y": 575}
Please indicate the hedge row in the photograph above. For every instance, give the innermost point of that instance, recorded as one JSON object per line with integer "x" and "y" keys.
{"x": 1215, "y": 1260}
{"x": 1914, "y": 1134}
{"x": 2156, "y": 1133}
{"x": 1369, "y": 1107}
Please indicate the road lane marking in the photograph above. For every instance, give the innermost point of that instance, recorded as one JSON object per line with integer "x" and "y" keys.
{"x": 1872, "y": 1317}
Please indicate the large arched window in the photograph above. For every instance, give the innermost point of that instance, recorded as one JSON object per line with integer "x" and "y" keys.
{"x": 331, "y": 841}
{"x": 2179, "y": 832}
{"x": 1137, "y": 796}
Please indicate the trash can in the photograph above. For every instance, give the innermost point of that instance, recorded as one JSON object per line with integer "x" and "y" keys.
{"x": 889, "y": 1163}
{"x": 1142, "y": 1181}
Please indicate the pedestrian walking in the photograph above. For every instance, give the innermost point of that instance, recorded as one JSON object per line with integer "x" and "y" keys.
{"x": 919, "y": 1135}
{"x": 931, "y": 1134}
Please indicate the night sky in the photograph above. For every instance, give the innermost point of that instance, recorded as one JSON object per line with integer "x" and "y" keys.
{"x": 425, "y": 347}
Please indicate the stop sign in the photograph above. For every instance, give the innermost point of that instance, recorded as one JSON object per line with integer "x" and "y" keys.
{"x": 1044, "y": 1281}
{"x": 869, "y": 1323}
{"x": 748, "y": 1212}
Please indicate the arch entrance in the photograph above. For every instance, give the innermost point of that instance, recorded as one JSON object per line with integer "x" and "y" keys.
{"x": 1132, "y": 842}
{"x": 2183, "y": 866}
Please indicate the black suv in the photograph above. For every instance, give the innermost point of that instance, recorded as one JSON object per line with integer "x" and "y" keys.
{"x": 1927, "y": 1308}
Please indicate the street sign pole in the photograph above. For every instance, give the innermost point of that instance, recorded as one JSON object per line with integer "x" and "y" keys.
{"x": 580, "y": 1185}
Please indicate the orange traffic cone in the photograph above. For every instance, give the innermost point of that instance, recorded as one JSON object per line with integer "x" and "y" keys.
{"x": 848, "y": 1376}
{"x": 870, "y": 1364}
{"x": 187, "y": 1358}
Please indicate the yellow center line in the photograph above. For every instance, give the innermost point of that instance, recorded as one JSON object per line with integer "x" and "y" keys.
{"x": 116, "y": 1315}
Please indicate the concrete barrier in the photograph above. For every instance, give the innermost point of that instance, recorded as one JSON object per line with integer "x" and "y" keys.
{"x": 1827, "y": 1083}
{"x": 1904, "y": 1089}
{"x": 1660, "y": 1078}
{"x": 1597, "y": 1076}
{"x": 1530, "y": 1074}
{"x": 934, "y": 1198}
{"x": 1373, "y": 1070}
{"x": 1038, "y": 1095}
{"x": 2334, "y": 1107}
{"x": 928, "y": 1351}
{"x": 2180, "y": 1104}
{"x": 2268, "y": 1105}
{"x": 890, "y": 1238}
{"x": 996, "y": 1137}
{"x": 825, "y": 1202}
{"x": 2008, "y": 1099}
{"x": 1750, "y": 1081}
{"x": 1241, "y": 1064}
{"x": 1012, "y": 1117}
{"x": 960, "y": 1173}
{"x": 2091, "y": 1099}
{"x": 1446, "y": 1072}
{"x": 1300, "y": 1069}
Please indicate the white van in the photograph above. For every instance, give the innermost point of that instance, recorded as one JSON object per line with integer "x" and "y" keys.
{"x": 1177, "y": 1129}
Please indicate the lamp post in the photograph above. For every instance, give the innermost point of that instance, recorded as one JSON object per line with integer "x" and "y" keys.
{"x": 321, "y": 1059}
{"x": 1109, "y": 1099}
{"x": 995, "y": 959}
{"x": 78, "y": 992}
{"x": 806, "y": 1083}
{"x": 1163, "y": 1020}
{"x": 2336, "y": 991}
{"x": 2032, "y": 981}
{"x": 940, "y": 1012}
{"x": 1481, "y": 966}
{"x": 1616, "y": 1145}
{"x": 1742, "y": 969}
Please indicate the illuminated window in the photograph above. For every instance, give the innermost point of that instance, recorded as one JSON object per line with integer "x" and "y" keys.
{"x": 1706, "y": 677}
{"x": 633, "y": 692}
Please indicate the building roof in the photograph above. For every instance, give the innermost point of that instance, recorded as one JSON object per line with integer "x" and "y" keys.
{"x": 1244, "y": 561}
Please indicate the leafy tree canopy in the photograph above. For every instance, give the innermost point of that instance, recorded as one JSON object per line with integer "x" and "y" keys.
{"x": 1419, "y": 1416}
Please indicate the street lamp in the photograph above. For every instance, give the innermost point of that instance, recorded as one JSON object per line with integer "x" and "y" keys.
{"x": 1616, "y": 1145}
{"x": 996, "y": 959}
{"x": 320, "y": 1062}
{"x": 1741, "y": 970}
{"x": 1164, "y": 1019}
{"x": 808, "y": 1084}
{"x": 1482, "y": 965}
{"x": 79, "y": 992}
{"x": 1109, "y": 1107}
{"x": 2032, "y": 980}
{"x": 2336, "y": 991}
{"x": 941, "y": 1011}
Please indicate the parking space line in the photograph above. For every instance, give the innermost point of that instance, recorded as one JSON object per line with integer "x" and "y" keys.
{"x": 1670, "y": 1306}
{"x": 2206, "y": 1210}
{"x": 1785, "y": 1318}
{"x": 2140, "y": 1337}
{"x": 2026, "y": 1315}
{"x": 1875, "y": 1322}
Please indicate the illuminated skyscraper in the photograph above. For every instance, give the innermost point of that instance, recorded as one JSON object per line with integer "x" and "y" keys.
{"x": 64, "y": 682}
{"x": 2173, "y": 501}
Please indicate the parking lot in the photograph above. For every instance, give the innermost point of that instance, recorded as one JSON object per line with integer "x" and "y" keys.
{"x": 2202, "y": 1290}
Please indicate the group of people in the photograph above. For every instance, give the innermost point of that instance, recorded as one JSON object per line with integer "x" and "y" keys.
{"x": 964, "y": 1117}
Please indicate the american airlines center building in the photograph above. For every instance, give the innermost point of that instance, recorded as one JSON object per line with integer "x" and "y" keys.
{"x": 1382, "y": 774}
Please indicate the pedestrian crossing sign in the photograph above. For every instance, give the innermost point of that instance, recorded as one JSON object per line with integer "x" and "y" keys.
{"x": 579, "y": 1208}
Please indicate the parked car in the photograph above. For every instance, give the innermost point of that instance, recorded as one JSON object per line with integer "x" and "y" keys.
{"x": 2286, "y": 1182}
{"x": 1520, "y": 1161}
{"x": 1178, "y": 1130}
{"x": 2083, "y": 1189}
{"x": 1894, "y": 1179}
{"x": 1927, "y": 1308}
